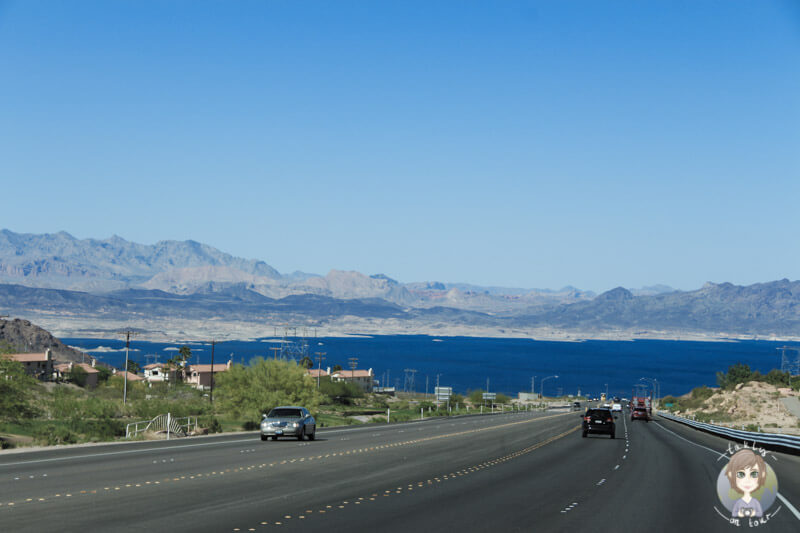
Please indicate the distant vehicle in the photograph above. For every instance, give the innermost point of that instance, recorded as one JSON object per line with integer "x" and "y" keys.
{"x": 606, "y": 405}
{"x": 599, "y": 421}
{"x": 640, "y": 413}
{"x": 642, "y": 401}
{"x": 616, "y": 399}
{"x": 288, "y": 421}
{"x": 616, "y": 408}
{"x": 576, "y": 406}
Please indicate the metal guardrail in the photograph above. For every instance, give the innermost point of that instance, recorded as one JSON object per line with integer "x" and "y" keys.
{"x": 166, "y": 423}
{"x": 772, "y": 439}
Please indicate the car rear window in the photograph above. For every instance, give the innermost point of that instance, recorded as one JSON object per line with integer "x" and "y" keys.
{"x": 285, "y": 413}
{"x": 640, "y": 410}
{"x": 598, "y": 413}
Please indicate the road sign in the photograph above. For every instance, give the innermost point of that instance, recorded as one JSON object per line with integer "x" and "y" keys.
{"x": 489, "y": 395}
{"x": 443, "y": 393}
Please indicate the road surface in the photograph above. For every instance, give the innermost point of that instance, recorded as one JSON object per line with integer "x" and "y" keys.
{"x": 511, "y": 472}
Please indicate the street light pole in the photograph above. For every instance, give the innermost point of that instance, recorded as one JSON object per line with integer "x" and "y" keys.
{"x": 656, "y": 386}
{"x": 541, "y": 385}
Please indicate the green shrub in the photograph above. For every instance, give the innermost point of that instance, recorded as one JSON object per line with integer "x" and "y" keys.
{"x": 93, "y": 429}
{"x": 214, "y": 426}
{"x": 51, "y": 435}
{"x": 263, "y": 384}
{"x": 78, "y": 376}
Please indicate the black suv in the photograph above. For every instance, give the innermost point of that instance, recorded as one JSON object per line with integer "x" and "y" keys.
{"x": 598, "y": 421}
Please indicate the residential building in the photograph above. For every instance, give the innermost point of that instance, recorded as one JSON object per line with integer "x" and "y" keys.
{"x": 363, "y": 378}
{"x": 38, "y": 365}
{"x": 157, "y": 372}
{"x": 131, "y": 376}
{"x": 62, "y": 371}
{"x": 199, "y": 376}
{"x": 321, "y": 372}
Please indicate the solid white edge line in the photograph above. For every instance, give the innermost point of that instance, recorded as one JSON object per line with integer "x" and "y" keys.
{"x": 791, "y": 507}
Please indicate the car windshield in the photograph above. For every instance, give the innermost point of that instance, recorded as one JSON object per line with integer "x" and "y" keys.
{"x": 282, "y": 412}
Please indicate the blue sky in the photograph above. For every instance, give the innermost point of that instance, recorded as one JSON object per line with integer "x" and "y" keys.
{"x": 526, "y": 144}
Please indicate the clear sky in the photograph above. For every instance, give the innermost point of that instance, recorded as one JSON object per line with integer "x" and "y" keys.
{"x": 513, "y": 143}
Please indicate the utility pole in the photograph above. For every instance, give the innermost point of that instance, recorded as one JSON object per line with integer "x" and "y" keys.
{"x": 533, "y": 385}
{"x": 127, "y": 334}
{"x": 319, "y": 364}
{"x": 426, "y": 386}
{"x": 211, "y": 395}
{"x": 352, "y": 362}
{"x": 276, "y": 350}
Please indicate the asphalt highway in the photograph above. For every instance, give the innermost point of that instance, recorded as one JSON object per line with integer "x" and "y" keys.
{"x": 512, "y": 472}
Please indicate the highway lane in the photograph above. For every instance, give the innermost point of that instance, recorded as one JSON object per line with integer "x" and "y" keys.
{"x": 652, "y": 476}
{"x": 204, "y": 483}
{"x": 520, "y": 472}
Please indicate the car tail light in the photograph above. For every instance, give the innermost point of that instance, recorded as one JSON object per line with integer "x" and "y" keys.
{"x": 587, "y": 418}
{"x": 608, "y": 420}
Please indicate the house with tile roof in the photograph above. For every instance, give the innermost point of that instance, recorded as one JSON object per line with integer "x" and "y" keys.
{"x": 363, "y": 378}
{"x": 62, "y": 371}
{"x": 199, "y": 376}
{"x": 157, "y": 373}
{"x": 318, "y": 372}
{"x": 38, "y": 365}
{"x": 130, "y": 375}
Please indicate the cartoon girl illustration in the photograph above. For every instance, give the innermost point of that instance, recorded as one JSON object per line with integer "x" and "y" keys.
{"x": 746, "y": 473}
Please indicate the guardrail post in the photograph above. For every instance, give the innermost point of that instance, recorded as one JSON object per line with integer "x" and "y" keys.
{"x": 168, "y": 419}
{"x": 388, "y": 415}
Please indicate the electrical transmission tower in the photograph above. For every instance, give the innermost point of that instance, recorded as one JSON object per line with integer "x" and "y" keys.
{"x": 292, "y": 346}
{"x": 788, "y": 363}
{"x": 408, "y": 384}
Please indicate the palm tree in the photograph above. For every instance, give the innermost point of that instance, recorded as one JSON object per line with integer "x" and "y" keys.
{"x": 306, "y": 362}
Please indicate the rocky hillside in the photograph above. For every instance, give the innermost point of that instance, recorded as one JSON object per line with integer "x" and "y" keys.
{"x": 24, "y": 337}
{"x": 754, "y": 404}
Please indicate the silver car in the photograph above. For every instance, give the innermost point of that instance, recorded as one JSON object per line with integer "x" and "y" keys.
{"x": 288, "y": 421}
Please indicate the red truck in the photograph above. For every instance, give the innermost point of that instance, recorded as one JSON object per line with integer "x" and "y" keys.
{"x": 642, "y": 401}
{"x": 641, "y": 408}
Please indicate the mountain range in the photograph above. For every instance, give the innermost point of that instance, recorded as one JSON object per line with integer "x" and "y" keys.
{"x": 63, "y": 279}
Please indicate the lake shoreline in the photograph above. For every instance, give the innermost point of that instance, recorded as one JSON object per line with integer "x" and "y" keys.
{"x": 178, "y": 330}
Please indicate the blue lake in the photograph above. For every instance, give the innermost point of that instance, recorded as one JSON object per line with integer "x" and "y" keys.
{"x": 465, "y": 363}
